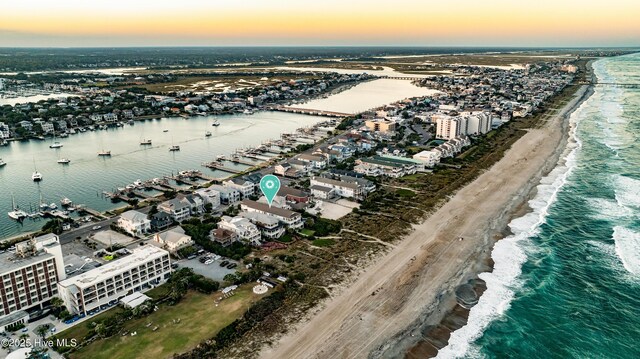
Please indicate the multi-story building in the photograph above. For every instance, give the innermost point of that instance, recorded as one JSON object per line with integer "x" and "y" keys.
{"x": 209, "y": 196}
{"x": 447, "y": 127}
{"x": 246, "y": 231}
{"x": 227, "y": 195}
{"x": 141, "y": 270}
{"x": 269, "y": 225}
{"x": 177, "y": 209}
{"x": 28, "y": 277}
{"x": 288, "y": 218}
{"x": 343, "y": 186}
{"x": 134, "y": 223}
{"x": 246, "y": 188}
{"x": 381, "y": 125}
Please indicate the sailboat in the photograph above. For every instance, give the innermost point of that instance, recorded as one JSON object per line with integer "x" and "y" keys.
{"x": 145, "y": 142}
{"x": 17, "y": 213}
{"x": 64, "y": 161}
{"x": 174, "y": 147}
{"x": 36, "y": 176}
{"x": 55, "y": 143}
{"x": 2, "y": 163}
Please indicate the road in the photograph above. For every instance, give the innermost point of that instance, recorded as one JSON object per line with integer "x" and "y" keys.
{"x": 85, "y": 230}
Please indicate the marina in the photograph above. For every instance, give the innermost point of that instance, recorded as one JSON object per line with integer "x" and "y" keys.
{"x": 107, "y": 162}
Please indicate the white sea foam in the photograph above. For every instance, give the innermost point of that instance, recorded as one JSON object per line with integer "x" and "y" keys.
{"x": 607, "y": 210}
{"x": 509, "y": 255}
{"x": 627, "y": 244}
{"x": 627, "y": 191}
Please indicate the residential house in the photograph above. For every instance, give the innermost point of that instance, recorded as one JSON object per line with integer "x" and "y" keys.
{"x": 134, "y": 223}
{"x": 228, "y": 195}
{"x": 246, "y": 188}
{"x": 173, "y": 239}
{"x": 269, "y": 226}
{"x": 344, "y": 186}
{"x": 246, "y": 231}
{"x": 209, "y": 196}
{"x": 160, "y": 221}
{"x": 176, "y": 208}
{"x": 223, "y": 236}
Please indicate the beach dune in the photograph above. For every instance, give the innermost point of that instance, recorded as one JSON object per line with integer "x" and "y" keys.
{"x": 416, "y": 280}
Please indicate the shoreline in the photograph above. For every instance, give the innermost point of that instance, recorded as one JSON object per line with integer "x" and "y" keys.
{"x": 424, "y": 270}
{"x": 456, "y": 316}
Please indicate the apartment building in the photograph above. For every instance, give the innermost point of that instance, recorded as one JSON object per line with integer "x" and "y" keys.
{"x": 143, "y": 269}
{"x": 29, "y": 277}
{"x": 288, "y": 218}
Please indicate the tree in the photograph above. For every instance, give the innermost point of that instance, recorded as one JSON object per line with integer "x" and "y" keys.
{"x": 42, "y": 330}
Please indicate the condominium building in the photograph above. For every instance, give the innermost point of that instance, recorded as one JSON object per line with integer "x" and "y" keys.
{"x": 29, "y": 276}
{"x": 143, "y": 269}
{"x": 288, "y": 218}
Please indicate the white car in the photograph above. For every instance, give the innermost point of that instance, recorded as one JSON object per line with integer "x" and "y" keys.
{"x": 208, "y": 261}
{"x": 95, "y": 228}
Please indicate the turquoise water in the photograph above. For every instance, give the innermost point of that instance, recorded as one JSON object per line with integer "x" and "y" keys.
{"x": 567, "y": 283}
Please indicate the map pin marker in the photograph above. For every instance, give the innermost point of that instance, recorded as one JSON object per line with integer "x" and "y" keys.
{"x": 270, "y": 185}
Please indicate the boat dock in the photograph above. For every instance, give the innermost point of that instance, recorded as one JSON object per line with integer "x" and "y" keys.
{"x": 219, "y": 166}
{"x": 93, "y": 212}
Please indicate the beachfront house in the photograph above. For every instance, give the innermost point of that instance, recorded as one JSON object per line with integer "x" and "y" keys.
{"x": 135, "y": 223}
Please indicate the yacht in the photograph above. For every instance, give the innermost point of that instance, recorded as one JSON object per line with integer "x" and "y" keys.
{"x": 66, "y": 202}
{"x": 248, "y": 112}
{"x": 207, "y": 134}
{"x": 174, "y": 148}
{"x": 145, "y": 143}
{"x": 55, "y": 145}
{"x": 216, "y": 123}
{"x": 64, "y": 161}
{"x": 2, "y": 163}
{"x": 36, "y": 176}
{"x": 220, "y": 158}
{"x": 138, "y": 183}
{"x": 104, "y": 153}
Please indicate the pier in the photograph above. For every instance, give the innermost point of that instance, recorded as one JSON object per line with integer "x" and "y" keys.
{"x": 218, "y": 166}
{"x": 93, "y": 212}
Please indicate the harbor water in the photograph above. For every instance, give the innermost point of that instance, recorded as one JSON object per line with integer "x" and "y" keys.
{"x": 88, "y": 175}
{"x": 566, "y": 284}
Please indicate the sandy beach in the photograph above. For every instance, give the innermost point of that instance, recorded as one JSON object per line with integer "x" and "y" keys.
{"x": 414, "y": 283}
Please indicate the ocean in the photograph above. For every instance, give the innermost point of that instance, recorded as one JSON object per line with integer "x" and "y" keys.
{"x": 566, "y": 283}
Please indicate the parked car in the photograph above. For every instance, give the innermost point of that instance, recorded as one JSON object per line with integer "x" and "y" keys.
{"x": 95, "y": 228}
{"x": 208, "y": 261}
{"x": 224, "y": 263}
{"x": 231, "y": 266}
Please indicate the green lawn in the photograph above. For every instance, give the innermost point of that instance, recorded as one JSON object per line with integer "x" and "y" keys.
{"x": 200, "y": 319}
{"x": 307, "y": 232}
{"x": 323, "y": 242}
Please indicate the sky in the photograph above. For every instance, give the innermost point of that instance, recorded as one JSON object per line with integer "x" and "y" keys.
{"x": 70, "y": 23}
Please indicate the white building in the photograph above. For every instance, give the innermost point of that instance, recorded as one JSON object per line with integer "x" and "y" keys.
{"x": 134, "y": 223}
{"x": 246, "y": 188}
{"x": 29, "y": 277}
{"x": 145, "y": 268}
{"x": 447, "y": 127}
{"x": 228, "y": 195}
{"x": 177, "y": 209}
{"x": 344, "y": 186}
{"x": 246, "y": 231}
{"x": 173, "y": 239}
{"x": 429, "y": 158}
{"x": 269, "y": 225}
{"x": 209, "y": 196}
{"x": 288, "y": 218}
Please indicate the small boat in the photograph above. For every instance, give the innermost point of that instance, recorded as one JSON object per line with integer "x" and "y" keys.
{"x": 174, "y": 148}
{"x": 216, "y": 123}
{"x": 104, "y": 153}
{"x": 207, "y": 134}
{"x": 248, "y": 112}
{"x": 64, "y": 161}
{"x": 16, "y": 214}
{"x": 2, "y": 163}
{"x": 145, "y": 143}
{"x": 165, "y": 130}
{"x": 138, "y": 183}
{"x": 53, "y": 206}
{"x": 55, "y": 145}
{"x": 66, "y": 202}
{"x": 220, "y": 158}
{"x": 36, "y": 176}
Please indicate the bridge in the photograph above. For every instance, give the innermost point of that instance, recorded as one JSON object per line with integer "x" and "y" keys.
{"x": 309, "y": 111}
{"x": 411, "y": 78}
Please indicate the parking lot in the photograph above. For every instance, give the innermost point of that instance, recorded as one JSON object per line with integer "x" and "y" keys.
{"x": 213, "y": 270}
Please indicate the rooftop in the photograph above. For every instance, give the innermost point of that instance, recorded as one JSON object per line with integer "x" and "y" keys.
{"x": 139, "y": 256}
{"x": 263, "y": 207}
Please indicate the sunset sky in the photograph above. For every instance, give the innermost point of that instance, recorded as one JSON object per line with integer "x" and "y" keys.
{"x": 327, "y": 22}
